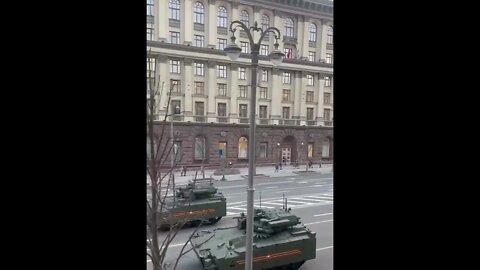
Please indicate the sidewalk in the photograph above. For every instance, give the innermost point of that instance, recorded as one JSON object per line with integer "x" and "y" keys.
{"x": 262, "y": 171}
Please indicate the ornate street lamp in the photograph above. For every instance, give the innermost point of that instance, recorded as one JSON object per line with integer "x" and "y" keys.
{"x": 276, "y": 56}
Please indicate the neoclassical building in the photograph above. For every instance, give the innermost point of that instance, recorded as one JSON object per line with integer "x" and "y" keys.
{"x": 210, "y": 95}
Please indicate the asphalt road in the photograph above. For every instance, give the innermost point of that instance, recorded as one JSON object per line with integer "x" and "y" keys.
{"x": 310, "y": 196}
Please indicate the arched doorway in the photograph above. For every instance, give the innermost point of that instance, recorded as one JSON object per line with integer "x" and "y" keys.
{"x": 288, "y": 150}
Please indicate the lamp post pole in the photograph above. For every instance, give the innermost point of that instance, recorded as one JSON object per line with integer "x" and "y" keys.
{"x": 233, "y": 51}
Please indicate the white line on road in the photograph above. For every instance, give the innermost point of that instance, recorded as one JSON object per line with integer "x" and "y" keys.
{"x": 272, "y": 187}
{"x": 302, "y": 182}
{"x": 324, "y": 214}
{"x": 318, "y": 249}
{"x": 318, "y": 222}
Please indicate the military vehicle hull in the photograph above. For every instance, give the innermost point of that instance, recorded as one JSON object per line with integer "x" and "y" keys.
{"x": 224, "y": 248}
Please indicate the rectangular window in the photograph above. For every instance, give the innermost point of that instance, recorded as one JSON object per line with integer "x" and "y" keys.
{"x": 309, "y": 79}
{"x": 175, "y": 84}
{"x": 175, "y": 66}
{"x": 328, "y": 82}
{"x": 222, "y": 109}
{"x": 150, "y": 31}
{"x": 263, "y": 92}
{"x": 199, "y": 88}
{"x": 286, "y": 77}
{"x": 326, "y": 114}
{"x": 243, "y": 110}
{"x": 174, "y": 11}
{"x": 199, "y": 108}
{"x": 222, "y": 43}
{"x": 263, "y": 149}
{"x": 326, "y": 98}
{"x": 286, "y": 112}
{"x": 150, "y": 7}
{"x": 310, "y": 150}
{"x": 329, "y": 39}
{"x": 286, "y": 95}
{"x": 199, "y": 69}
{"x": 243, "y": 90}
{"x": 264, "y": 75}
{"x": 311, "y": 56}
{"x": 309, "y": 114}
{"x": 310, "y": 96}
{"x": 329, "y": 59}
{"x": 288, "y": 53}
{"x": 222, "y": 89}
{"x": 221, "y": 71}
{"x": 263, "y": 112}
{"x": 241, "y": 73}
{"x": 199, "y": 41}
{"x": 174, "y": 37}
{"x": 264, "y": 49}
{"x": 326, "y": 149}
{"x": 150, "y": 67}
{"x": 244, "y": 46}
{"x": 175, "y": 107}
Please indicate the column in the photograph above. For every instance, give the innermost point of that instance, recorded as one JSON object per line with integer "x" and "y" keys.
{"x": 233, "y": 92}
{"x": 323, "y": 40}
{"x": 278, "y": 23}
{"x": 320, "y": 92}
{"x": 163, "y": 81}
{"x": 305, "y": 42}
{"x": 161, "y": 20}
{"x": 276, "y": 81}
{"x": 303, "y": 100}
{"x": 187, "y": 22}
{"x": 187, "y": 86}
{"x": 210, "y": 90}
{"x": 297, "y": 94}
{"x": 300, "y": 37}
{"x": 212, "y": 24}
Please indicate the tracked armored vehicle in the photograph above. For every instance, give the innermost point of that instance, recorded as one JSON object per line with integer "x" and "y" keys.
{"x": 192, "y": 204}
{"x": 280, "y": 242}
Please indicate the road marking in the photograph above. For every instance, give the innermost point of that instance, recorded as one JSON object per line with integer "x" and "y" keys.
{"x": 282, "y": 191}
{"x": 324, "y": 214}
{"x": 293, "y": 178}
{"x": 303, "y": 182}
{"x": 318, "y": 249}
{"x": 237, "y": 208}
{"x": 319, "y": 185}
{"x": 318, "y": 222}
{"x": 272, "y": 187}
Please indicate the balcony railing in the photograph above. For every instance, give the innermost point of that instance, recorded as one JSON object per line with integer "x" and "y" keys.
{"x": 328, "y": 123}
{"x": 264, "y": 121}
{"x": 287, "y": 122}
{"x": 177, "y": 117}
{"x": 201, "y": 119}
{"x": 311, "y": 123}
{"x": 243, "y": 120}
{"x": 223, "y": 119}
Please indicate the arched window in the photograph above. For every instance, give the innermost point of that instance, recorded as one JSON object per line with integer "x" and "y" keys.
{"x": 265, "y": 22}
{"x": 312, "y": 30}
{"x": 174, "y": 9}
{"x": 199, "y": 148}
{"x": 244, "y": 17}
{"x": 330, "y": 35}
{"x": 288, "y": 27}
{"x": 222, "y": 17}
{"x": 199, "y": 13}
{"x": 242, "y": 147}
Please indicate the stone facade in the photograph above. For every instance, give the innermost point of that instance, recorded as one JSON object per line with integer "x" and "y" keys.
{"x": 275, "y": 137}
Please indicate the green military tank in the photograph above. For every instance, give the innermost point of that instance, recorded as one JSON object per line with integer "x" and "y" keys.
{"x": 192, "y": 204}
{"x": 280, "y": 242}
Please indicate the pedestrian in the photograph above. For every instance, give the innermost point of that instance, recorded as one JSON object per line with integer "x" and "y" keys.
{"x": 280, "y": 165}
{"x": 276, "y": 167}
{"x": 320, "y": 164}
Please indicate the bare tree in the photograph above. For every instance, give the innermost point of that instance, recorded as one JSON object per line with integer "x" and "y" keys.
{"x": 159, "y": 148}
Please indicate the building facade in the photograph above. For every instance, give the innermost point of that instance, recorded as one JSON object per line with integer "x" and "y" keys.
{"x": 210, "y": 94}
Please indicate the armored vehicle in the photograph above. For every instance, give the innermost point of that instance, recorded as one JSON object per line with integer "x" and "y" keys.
{"x": 280, "y": 242}
{"x": 193, "y": 203}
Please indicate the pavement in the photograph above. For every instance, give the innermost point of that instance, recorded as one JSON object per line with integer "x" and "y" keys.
{"x": 261, "y": 171}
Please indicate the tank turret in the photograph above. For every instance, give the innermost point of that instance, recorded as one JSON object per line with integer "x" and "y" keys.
{"x": 194, "y": 192}
{"x": 280, "y": 242}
